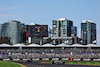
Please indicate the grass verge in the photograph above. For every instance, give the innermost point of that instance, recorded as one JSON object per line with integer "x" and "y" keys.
{"x": 9, "y": 64}
{"x": 84, "y": 63}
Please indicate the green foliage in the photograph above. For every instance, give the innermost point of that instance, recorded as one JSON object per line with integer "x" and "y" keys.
{"x": 5, "y": 40}
{"x": 48, "y": 41}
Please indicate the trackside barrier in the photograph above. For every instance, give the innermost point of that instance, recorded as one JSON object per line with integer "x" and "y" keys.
{"x": 6, "y": 59}
{"x": 45, "y": 58}
{"x": 1, "y": 59}
{"x": 65, "y": 58}
{"x": 36, "y": 59}
{"x": 16, "y": 59}
{"x": 76, "y": 59}
{"x": 52, "y": 59}
{"x": 96, "y": 59}
{"x": 86, "y": 59}
{"x": 55, "y": 58}
{"x": 24, "y": 59}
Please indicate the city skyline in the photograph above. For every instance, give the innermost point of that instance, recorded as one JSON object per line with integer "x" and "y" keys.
{"x": 44, "y": 12}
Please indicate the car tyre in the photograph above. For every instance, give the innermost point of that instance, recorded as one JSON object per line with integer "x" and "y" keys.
{"x": 52, "y": 62}
{"x": 64, "y": 62}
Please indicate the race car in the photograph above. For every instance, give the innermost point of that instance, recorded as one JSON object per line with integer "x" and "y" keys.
{"x": 58, "y": 62}
{"x": 28, "y": 60}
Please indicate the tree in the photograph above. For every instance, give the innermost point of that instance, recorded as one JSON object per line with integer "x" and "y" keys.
{"x": 48, "y": 41}
{"x": 1, "y": 40}
{"x": 5, "y": 40}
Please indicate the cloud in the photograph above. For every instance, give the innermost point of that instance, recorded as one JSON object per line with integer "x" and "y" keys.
{"x": 6, "y": 8}
{"x": 6, "y": 15}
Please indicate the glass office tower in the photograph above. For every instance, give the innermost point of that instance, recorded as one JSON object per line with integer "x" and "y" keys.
{"x": 12, "y": 30}
{"x": 88, "y": 32}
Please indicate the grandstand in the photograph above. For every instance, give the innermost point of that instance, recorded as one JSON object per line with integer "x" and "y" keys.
{"x": 39, "y": 53}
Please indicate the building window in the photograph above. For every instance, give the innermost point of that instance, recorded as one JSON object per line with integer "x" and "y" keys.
{"x": 64, "y": 27}
{"x": 64, "y": 35}
{"x": 54, "y": 25}
{"x": 54, "y": 22}
{"x": 54, "y": 31}
{"x": 64, "y": 22}
{"x": 54, "y": 35}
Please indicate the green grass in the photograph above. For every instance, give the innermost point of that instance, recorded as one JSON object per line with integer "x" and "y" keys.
{"x": 77, "y": 62}
{"x": 84, "y": 63}
{"x": 9, "y": 64}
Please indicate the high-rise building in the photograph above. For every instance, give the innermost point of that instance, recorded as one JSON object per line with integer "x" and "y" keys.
{"x": 73, "y": 31}
{"x": 63, "y": 31}
{"x": 88, "y": 32}
{"x": 11, "y": 29}
{"x": 23, "y": 29}
{"x": 62, "y": 27}
{"x": 50, "y": 32}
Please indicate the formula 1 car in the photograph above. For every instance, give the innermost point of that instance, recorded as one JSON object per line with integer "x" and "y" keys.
{"x": 58, "y": 62}
{"x": 28, "y": 60}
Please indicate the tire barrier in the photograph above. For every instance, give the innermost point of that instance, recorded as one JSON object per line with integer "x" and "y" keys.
{"x": 70, "y": 59}
{"x": 64, "y": 58}
{"x": 86, "y": 59}
{"x": 45, "y": 58}
{"x": 16, "y": 59}
{"x": 6, "y": 59}
{"x": 55, "y": 58}
{"x": 96, "y": 59}
{"x": 76, "y": 59}
{"x": 36, "y": 59}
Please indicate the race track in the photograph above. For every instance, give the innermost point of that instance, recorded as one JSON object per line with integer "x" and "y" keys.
{"x": 38, "y": 64}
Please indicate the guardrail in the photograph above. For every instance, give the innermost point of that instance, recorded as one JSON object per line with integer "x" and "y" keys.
{"x": 52, "y": 59}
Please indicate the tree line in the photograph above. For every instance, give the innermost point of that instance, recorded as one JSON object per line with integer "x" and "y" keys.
{"x": 5, "y": 40}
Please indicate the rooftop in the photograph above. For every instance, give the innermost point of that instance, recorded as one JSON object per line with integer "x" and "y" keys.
{"x": 62, "y": 19}
{"x": 85, "y": 21}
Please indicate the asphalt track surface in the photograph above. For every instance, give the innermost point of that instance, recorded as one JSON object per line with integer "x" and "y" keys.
{"x": 38, "y": 64}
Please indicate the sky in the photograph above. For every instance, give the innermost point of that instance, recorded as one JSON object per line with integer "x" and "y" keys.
{"x": 44, "y": 11}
